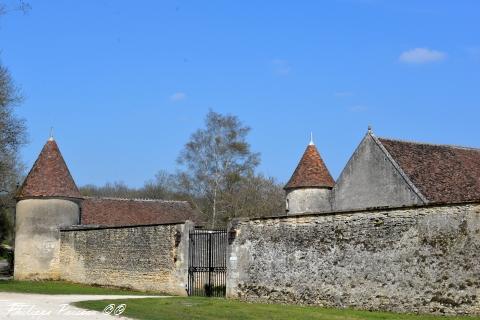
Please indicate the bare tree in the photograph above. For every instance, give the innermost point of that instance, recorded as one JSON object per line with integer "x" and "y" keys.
{"x": 217, "y": 176}
{"x": 215, "y": 159}
{"x": 12, "y": 137}
{"x": 163, "y": 186}
{"x": 19, "y": 5}
{"x": 255, "y": 196}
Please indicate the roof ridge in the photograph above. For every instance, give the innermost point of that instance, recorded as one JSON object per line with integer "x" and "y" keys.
{"x": 134, "y": 199}
{"x": 430, "y": 144}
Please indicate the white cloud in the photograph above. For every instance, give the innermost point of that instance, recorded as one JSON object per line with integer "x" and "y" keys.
{"x": 422, "y": 55}
{"x": 281, "y": 67}
{"x": 178, "y": 96}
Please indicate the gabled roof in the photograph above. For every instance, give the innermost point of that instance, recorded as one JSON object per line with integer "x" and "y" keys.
{"x": 310, "y": 172}
{"x": 49, "y": 176}
{"x": 121, "y": 212}
{"x": 442, "y": 173}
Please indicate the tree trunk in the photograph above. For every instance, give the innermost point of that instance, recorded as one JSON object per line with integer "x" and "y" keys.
{"x": 214, "y": 206}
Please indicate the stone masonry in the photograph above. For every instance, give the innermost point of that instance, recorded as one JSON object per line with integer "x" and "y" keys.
{"x": 420, "y": 259}
{"x": 146, "y": 258}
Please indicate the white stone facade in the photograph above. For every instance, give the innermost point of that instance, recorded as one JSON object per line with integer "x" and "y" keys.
{"x": 306, "y": 200}
{"x": 37, "y": 236}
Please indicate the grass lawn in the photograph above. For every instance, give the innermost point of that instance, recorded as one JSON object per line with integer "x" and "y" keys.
{"x": 61, "y": 287}
{"x": 177, "y": 308}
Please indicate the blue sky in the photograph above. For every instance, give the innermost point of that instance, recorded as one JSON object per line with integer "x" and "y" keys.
{"x": 125, "y": 83}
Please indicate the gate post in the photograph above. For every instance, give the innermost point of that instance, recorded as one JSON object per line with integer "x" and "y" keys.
{"x": 234, "y": 257}
{"x": 182, "y": 256}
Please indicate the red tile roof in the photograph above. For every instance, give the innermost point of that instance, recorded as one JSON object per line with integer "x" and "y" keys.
{"x": 443, "y": 174}
{"x": 49, "y": 176}
{"x": 310, "y": 172}
{"x": 116, "y": 212}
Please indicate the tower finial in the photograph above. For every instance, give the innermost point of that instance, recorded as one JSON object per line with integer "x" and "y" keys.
{"x": 370, "y": 128}
{"x": 311, "y": 139}
{"x": 51, "y": 134}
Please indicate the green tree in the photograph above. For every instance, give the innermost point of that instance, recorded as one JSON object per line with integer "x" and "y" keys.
{"x": 215, "y": 159}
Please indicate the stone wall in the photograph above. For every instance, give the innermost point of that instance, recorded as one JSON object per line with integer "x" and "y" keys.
{"x": 424, "y": 259}
{"x": 146, "y": 258}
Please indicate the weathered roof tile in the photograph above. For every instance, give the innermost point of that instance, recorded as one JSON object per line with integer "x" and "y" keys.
{"x": 442, "y": 173}
{"x": 117, "y": 211}
{"x": 49, "y": 176}
{"x": 310, "y": 172}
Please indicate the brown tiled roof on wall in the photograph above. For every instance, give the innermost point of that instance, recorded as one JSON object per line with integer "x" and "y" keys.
{"x": 120, "y": 212}
{"x": 49, "y": 176}
{"x": 443, "y": 174}
{"x": 310, "y": 172}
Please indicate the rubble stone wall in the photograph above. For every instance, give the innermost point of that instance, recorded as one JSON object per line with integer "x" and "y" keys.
{"x": 420, "y": 259}
{"x": 146, "y": 258}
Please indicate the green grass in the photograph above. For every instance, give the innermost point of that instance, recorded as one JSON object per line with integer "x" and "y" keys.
{"x": 61, "y": 287}
{"x": 176, "y": 308}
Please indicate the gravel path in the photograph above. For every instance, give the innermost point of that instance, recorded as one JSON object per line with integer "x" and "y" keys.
{"x": 42, "y": 306}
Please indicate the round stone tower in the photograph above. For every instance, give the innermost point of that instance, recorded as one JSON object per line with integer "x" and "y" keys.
{"x": 47, "y": 200}
{"x": 310, "y": 187}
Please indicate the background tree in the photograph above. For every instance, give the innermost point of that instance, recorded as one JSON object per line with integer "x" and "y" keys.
{"x": 215, "y": 160}
{"x": 254, "y": 196}
{"x": 117, "y": 189}
{"x": 163, "y": 186}
{"x": 19, "y": 5}
{"x": 218, "y": 176}
{"x": 12, "y": 137}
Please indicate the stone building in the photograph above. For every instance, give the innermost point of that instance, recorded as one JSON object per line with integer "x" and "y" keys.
{"x": 386, "y": 173}
{"x": 310, "y": 187}
{"x": 49, "y": 200}
{"x": 399, "y": 230}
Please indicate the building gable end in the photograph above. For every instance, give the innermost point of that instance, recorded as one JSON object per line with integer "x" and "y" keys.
{"x": 372, "y": 179}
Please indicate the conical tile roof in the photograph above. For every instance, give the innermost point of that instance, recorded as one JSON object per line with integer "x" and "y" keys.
{"x": 310, "y": 172}
{"x": 49, "y": 176}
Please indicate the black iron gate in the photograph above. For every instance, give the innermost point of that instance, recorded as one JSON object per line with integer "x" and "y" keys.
{"x": 207, "y": 263}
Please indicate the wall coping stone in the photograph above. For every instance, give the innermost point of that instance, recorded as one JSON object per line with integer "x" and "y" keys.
{"x": 354, "y": 211}
{"x": 86, "y": 227}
